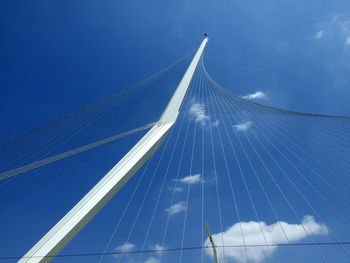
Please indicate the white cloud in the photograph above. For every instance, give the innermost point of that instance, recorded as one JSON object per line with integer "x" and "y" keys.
{"x": 243, "y": 126}
{"x": 197, "y": 110}
{"x": 191, "y": 179}
{"x": 253, "y": 236}
{"x": 152, "y": 260}
{"x": 320, "y": 34}
{"x": 176, "y": 208}
{"x": 256, "y": 95}
{"x": 126, "y": 247}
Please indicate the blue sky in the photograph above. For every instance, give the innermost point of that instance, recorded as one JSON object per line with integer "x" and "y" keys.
{"x": 59, "y": 56}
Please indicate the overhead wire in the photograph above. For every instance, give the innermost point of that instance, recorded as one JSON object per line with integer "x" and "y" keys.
{"x": 170, "y": 250}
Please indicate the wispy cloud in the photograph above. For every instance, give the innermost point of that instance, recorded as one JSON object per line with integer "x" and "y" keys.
{"x": 176, "y": 189}
{"x": 191, "y": 179}
{"x": 253, "y": 236}
{"x": 319, "y": 34}
{"x": 344, "y": 28}
{"x": 337, "y": 28}
{"x": 126, "y": 247}
{"x": 197, "y": 110}
{"x": 152, "y": 260}
{"x": 243, "y": 126}
{"x": 176, "y": 208}
{"x": 256, "y": 95}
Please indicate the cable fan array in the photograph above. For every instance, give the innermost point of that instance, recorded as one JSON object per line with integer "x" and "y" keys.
{"x": 273, "y": 185}
{"x": 25, "y": 161}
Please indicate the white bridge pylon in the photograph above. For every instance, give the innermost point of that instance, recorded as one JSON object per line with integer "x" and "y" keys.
{"x": 60, "y": 235}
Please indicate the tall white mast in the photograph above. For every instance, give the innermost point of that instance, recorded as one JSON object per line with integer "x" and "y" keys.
{"x": 59, "y": 236}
